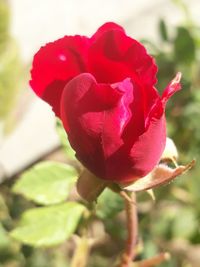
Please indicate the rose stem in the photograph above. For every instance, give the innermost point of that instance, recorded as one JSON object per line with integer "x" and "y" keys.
{"x": 132, "y": 227}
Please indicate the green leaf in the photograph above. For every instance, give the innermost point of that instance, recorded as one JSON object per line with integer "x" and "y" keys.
{"x": 48, "y": 226}
{"x": 184, "y": 46}
{"x": 109, "y": 204}
{"x": 64, "y": 140}
{"x": 46, "y": 183}
{"x": 163, "y": 30}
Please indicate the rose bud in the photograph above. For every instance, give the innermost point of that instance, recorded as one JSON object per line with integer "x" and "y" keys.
{"x": 102, "y": 88}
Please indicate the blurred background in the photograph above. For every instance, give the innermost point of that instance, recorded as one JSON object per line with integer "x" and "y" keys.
{"x": 171, "y": 32}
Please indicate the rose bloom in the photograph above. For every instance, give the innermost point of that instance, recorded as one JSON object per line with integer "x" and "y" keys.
{"x": 102, "y": 88}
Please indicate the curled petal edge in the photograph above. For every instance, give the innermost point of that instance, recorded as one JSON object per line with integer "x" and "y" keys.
{"x": 171, "y": 88}
{"x": 159, "y": 106}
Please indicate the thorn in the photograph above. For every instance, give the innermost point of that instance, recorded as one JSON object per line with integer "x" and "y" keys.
{"x": 152, "y": 195}
{"x": 174, "y": 162}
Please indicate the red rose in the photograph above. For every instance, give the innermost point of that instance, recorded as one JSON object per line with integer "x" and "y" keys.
{"x": 102, "y": 88}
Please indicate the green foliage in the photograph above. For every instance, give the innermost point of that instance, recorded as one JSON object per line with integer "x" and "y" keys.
{"x": 150, "y": 249}
{"x": 163, "y": 222}
{"x": 48, "y": 226}
{"x": 163, "y": 30}
{"x": 191, "y": 185}
{"x": 180, "y": 52}
{"x": 109, "y": 204}
{"x": 4, "y": 239}
{"x": 3, "y": 208}
{"x": 184, "y": 46}
{"x": 185, "y": 224}
{"x": 46, "y": 183}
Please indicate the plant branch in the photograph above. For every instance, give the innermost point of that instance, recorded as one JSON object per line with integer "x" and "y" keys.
{"x": 81, "y": 254}
{"x": 132, "y": 226}
{"x": 154, "y": 261}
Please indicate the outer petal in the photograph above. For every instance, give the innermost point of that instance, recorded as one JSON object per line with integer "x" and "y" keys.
{"x": 83, "y": 107}
{"x": 108, "y": 26}
{"x": 55, "y": 64}
{"x": 96, "y": 117}
{"x": 115, "y": 56}
{"x": 147, "y": 150}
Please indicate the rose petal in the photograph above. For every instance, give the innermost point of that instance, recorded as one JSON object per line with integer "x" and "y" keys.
{"x": 108, "y": 26}
{"x": 152, "y": 142}
{"x": 161, "y": 175}
{"x": 100, "y": 120}
{"x": 172, "y": 88}
{"x": 156, "y": 111}
{"x": 156, "y": 104}
{"x": 84, "y": 107}
{"x": 114, "y": 56}
{"x": 55, "y": 64}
